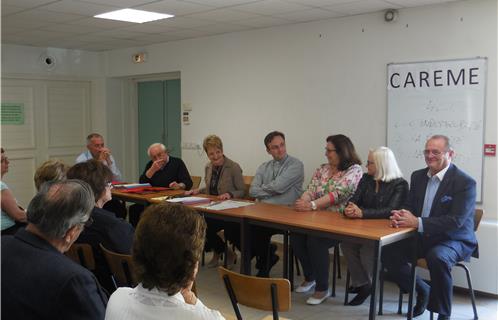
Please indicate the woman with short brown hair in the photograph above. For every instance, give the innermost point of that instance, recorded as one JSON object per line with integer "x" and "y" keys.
{"x": 166, "y": 251}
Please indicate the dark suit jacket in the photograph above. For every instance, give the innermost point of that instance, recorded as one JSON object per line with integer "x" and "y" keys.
{"x": 174, "y": 170}
{"x": 114, "y": 233}
{"x": 230, "y": 180}
{"x": 452, "y": 212}
{"x": 39, "y": 282}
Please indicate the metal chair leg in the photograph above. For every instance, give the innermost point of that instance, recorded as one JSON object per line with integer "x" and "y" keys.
{"x": 346, "y": 293}
{"x": 471, "y": 289}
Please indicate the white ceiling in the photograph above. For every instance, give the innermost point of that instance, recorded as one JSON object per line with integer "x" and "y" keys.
{"x": 70, "y": 23}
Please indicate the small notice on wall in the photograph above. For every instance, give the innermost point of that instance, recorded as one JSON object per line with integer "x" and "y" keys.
{"x": 12, "y": 113}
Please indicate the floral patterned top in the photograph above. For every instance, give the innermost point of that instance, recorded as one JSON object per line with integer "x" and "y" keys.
{"x": 340, "y": 187}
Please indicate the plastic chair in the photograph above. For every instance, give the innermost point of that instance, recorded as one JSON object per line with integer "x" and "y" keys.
{"x": 196, "y": 181}
{"x": 422, "y": 263}
{"x": 82, "y": 253}
{"x": 121, "y": 266}
{"x": 269, "y": 294}
{"x": 247, "y": 185}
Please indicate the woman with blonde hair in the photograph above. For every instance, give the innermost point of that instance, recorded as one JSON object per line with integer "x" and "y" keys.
{"x": 381, "y": 190}
{"x": 50, "y": 170}
{"x": 223, "y": 178}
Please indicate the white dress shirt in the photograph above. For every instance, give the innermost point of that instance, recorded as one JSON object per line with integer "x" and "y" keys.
{"x": 141, "y": 303}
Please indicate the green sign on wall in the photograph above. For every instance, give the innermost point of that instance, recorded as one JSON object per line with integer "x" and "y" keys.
{"x": 12, "y": 113}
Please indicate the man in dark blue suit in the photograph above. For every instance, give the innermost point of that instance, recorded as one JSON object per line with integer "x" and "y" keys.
{"x": 441, "y": 205}
{"x": 38, "y": 280}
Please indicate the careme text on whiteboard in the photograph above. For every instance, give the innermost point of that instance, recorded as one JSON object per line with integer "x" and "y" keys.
{"x": 440, "y": 97}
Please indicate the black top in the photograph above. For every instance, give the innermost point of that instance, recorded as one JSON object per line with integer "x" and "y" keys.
{"x": 39, "y": 282}
{"x": 114, "y": 233}
{"x": 215, "y": 178}
{"x": 377, "y": 205}
{"x": 174, "y": 170}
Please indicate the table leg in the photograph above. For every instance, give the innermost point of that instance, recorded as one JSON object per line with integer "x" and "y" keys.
{"x": 375, "y": 278}
{"x": 245, "y": 247}
{"x": 409, "y": 314}
{"x": 286, "y": 255}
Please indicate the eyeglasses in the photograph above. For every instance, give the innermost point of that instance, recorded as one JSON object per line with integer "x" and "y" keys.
{"x": 329, "y": 150}
{"x": 435, "y": 152}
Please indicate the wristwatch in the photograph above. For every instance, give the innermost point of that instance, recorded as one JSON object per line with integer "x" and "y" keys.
{"x": 313, "y": 205}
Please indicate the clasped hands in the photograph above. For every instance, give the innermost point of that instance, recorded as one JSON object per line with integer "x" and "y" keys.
{"x": 402, "y": 219}
{"x": 105, "y": 156}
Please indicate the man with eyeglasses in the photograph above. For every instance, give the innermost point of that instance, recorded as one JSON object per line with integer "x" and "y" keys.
{"x": 278, "y": 181}
{"x": 441, "y": 205}
{"x": 38, "y": 280}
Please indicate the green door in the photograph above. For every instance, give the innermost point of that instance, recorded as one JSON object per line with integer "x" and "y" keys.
{"x": 159, "y": 116}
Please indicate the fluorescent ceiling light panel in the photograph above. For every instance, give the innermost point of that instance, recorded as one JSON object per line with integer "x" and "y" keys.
{"x": 132, "y": 15}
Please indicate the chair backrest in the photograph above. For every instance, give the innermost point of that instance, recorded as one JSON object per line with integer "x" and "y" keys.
{"x": 247, "y": 185}
{"x": 196, "y": 180}
{"x": 82, "y": 253}
{"x": 121, "y": 266}
{"x": 257, "y": 292}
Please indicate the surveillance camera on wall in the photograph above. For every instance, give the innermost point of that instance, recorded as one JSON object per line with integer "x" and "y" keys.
{"x": 48, "y": 61}
{"x": 391, "y": 15}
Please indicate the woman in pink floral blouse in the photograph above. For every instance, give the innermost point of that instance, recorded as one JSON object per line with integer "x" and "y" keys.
{"x": 330, "y": 188}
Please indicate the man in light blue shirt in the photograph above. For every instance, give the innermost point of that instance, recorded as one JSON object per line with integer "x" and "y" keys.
{"x": 278, "y": 181}
{"x": 97, "y": 150}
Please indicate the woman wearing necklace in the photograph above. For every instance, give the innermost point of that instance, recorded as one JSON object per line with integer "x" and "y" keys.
{"x": 223, "y": 178}
{"x": 381, "y": 190}
{"x": 330, "y": 188}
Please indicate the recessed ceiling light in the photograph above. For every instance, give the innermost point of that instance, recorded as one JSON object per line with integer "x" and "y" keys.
{"x": 132, "y": 15}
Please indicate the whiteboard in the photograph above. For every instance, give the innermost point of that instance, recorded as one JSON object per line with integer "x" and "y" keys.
{"x": 438, "y": 97}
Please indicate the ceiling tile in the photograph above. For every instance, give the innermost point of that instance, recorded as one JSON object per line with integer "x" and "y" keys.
{"x": 175, "y": 7}
{"x": 223, "y": 15}
{"x": 102, "y": 23}
{"x": 76, "y": 29}
{"x": 182, "y": 22}
{"x": 360, "y": 7}
{"x": 222, "y": 3}
{"x": 310, "y": 15}
{"x": 120, "y": 34}
{"x": 413, "y": 3}
{"x": 320, "y": 3}
{"x": 8, "y": 9}
{"x": 119, "y": 3}
{"x": 264, "y": 21}
{"x": 223, "y": 28}
{"x": 44, "y": 15}
{"x": 27, "y": 3}
{"x": 270, "y": 7}
{"x": 149, "y": 28}
{"x": 78, "y": 7}
{"x": 11, "y": 21}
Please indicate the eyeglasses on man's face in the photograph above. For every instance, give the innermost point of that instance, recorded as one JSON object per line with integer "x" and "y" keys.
{"x": 435, "y": 152}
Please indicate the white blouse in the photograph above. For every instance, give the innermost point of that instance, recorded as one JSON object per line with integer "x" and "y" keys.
{"x": 141, "y": 303}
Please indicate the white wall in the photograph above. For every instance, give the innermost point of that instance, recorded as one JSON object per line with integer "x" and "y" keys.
{"x": 315, "y": 79}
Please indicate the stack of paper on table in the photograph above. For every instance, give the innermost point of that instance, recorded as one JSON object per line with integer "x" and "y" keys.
{"x": 189, "y": 200}
{"x": 227, "y": 204}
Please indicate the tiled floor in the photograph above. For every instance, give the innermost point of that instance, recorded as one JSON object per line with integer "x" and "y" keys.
{"x": 212, "y": 293}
